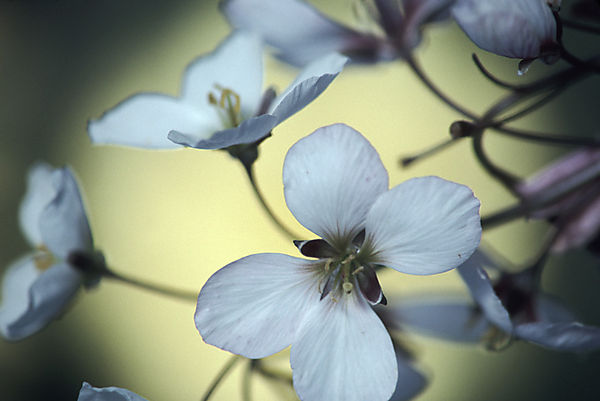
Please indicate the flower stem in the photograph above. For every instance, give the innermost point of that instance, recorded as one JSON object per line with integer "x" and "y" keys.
{"x": 265, "y": 206}
{"x": 246, "y": 382}
{"x": 157, "y": 288}
{"x": 217, "y": 380}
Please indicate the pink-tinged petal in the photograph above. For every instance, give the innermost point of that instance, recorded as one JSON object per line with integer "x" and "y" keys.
{"x": 249, "y": 131}
{"x": 563, "y": 336}
{"x": 410, "y": 381}
{"x": 236, "y": 64}
{"x": 581, "y": 228}
{"x": 63, "y": 223}
{"x": 40, "y": 192}
{"x": 297, "y": 30}
{"x": 144, "y": 121}
{"x": 423, "y": 226}
{"x": 511, "y": 28}
{"x": 444, "y": 318}
{"x": 89, "y": 393}
{"x": 308, "y": 85}
{"x": 481, "y": 289}
{"x": 331, "y": 178}
{"x": 253, "y": 306}
{"x": 342, "y": 351}
{"x": 32, "y": 298}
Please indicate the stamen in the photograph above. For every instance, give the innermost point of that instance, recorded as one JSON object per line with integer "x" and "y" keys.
{"x": 43, "y": 259}
{"x": 229, "y": 105}
{"x": 347, "y": 287}
{"x": 358, "y": 270}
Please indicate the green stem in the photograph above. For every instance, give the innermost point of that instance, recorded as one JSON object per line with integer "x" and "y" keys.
{"x": 217, "y": 380}
{"x": 157, "y": 288}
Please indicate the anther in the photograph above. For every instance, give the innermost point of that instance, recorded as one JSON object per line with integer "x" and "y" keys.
{"x": 347, "y": 287}
{"x": 358, "y": 270}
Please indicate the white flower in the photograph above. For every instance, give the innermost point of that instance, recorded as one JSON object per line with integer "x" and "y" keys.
{"x": 220, "y": 105}
{"x": 38, "y": 287}
{"x": 300, "y": 33}
{"x": 90, "y": 393}
{"x": 523, "y": 29}
{"x": 337, "y": 187}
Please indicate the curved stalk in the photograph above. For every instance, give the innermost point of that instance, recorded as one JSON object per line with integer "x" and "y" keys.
{"x": 217, "y": 380}
{"x": 152, "y": 287}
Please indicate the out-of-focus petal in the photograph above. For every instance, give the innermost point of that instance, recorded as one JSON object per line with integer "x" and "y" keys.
{"x": 249, "y": 131}
{"x": 510, "y": 28}
{"x": 89, "y": 393}
{"x": 144, "y": 121}
{"x": 331, "y": 178}
{"x": 237, "y": 64}
{"x": 40, "y": 192}
{"x": 342, "y": 351}
{"x": 410, "y": 381}
{"x": 297, "y": 30}
{"x": 63, "y": 223}
{"x": 483, "y": 293}
{"x": 308, "y": 85}
{"x": 46, "y": 293}
{"x": 423, "y": 226}
{"x": 253, "y": 306}
{"x": 447, "y": 319}
{"x": 563, "y": 336}
{"x": 581, "y": 228}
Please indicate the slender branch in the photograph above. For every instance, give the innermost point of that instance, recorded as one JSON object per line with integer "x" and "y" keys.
{"x": 581, "y": 26}
{"x": 547, "y": 138}
{"x": 246, "y": 382}
{"x": 491, "y": 77}
{"x": 153, "y": 287}
{"x": 220, "y": 376}
{"x": 507, "y": 179}
{"x": 282, "y": 227}
{"x": 408, "y": 160}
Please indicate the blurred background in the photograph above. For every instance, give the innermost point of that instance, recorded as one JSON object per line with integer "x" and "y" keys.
{"x": 175, "y": 217}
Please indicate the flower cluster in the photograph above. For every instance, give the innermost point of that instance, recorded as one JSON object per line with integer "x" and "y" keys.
{"x": 346, "y": 337}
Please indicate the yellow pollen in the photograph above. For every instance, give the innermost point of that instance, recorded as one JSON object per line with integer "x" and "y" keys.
{"x": 43, "y": 259}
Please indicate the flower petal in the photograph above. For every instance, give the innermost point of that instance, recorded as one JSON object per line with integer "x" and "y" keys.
{"x": 342, "y": 351}
{"x": 307, "y": 86}
{"x": 32, "y": 299}
{"x": 63, "y": 223}
{"x": 564, "y": 336}
{"x": 297, "y": 30}
{"x": 253, "y": 306}
{"x": 249, "y": 131}
{"x": 481, "y": 289}
{"x": 424, "y": 226}
{"x": 331, "y": 178}
{"x": 40, "y": 192}
{"x": 144, "y": 121}
{"x": 236, "y": 64}
{"x": 444, "y": 318}
{"x": 89, "y": 393}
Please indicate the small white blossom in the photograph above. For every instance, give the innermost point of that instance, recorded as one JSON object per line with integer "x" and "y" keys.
{"x": 37, "y": 288}
{"x": 90, "y": 393}
{"x": 337, "y": 187}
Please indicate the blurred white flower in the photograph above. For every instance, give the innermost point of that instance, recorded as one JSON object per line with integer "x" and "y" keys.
{"x": 337, "y": 187}
{"x": 38, "y": 287}
{"x": 523, "y": 29}
{"x": 90, "y": 393}
{"x": 300, "y": 33}
{"x": 220, "y": 105}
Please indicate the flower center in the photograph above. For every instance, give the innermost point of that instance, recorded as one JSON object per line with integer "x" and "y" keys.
{"x": 227, "y": 103}
{"x": 43, "y": 258}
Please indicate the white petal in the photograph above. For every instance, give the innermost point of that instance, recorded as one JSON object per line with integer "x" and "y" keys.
{"x": 331, "y": 178}
{"x": 308, "y": 85}
{"x": 564, "y": 336}
{"x": 253, "y": 306}
{"x": 424, "y": 226}
{"x": 481, "y": 289}
{"x": 40, "y": 192}
{"x": 63, "y": 223}
{"x": 89, "y": 393}
{"x": 447, "y": 319}
{"x": 236, "y": 65}
{"x": 343, "y": 352}
{"x": 249, "y": 131}
{"x": 32, "y": 299}
{"x": 144, "y": 121}
{"x": 511, "y": 28}
{"x": 297, "y": 30}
